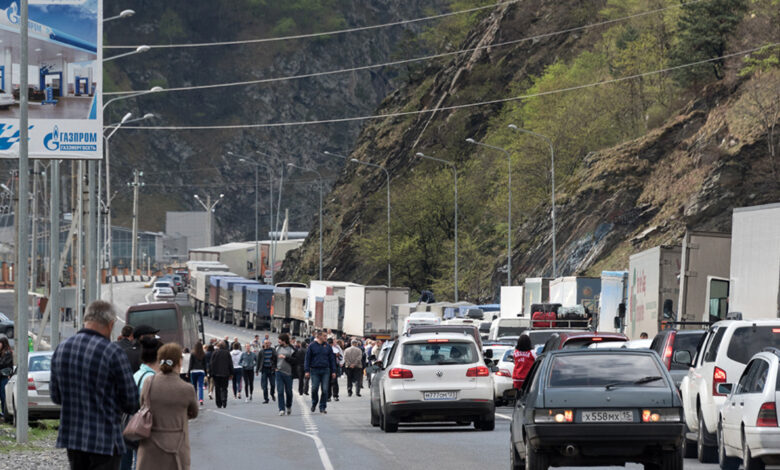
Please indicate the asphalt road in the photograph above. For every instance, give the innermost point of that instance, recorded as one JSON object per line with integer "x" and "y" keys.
{"x": 245, "y": 435}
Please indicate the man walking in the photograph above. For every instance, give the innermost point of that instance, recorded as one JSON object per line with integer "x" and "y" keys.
{"x": 284, "y": 353}
{"x": 266, "y": 363}
{"x": 353, "y": 363}
{"x": 299, "y": 359}
{"x": 221, "y": 371}
{"x": 92, "y": 381}
{"x": 320, "y": 365}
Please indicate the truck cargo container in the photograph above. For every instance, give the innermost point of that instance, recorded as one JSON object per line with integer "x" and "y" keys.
{"x": 653, "y": 289}
{"x": 238, "y": 312}
{"x": 511, "y": 302}
{"x": 280, "y": 312}
{"x": 367, "y": 310}
{"x": 704, "y": 255}
{"x": 576, "y": 290}
{"x": 755, "y": 262}
{"x": 240, "y": 257}
{"x": 259, "y": 299}
{"x": 227, "y": 290}
{"x": 536, "y": 290}
{"x": 212, "y": 301}
{"x": 614, "y": 291}
{"x": 332, "y": 313}
{"x": 299, "y": 315}
{"x": 200, "y": 282}
{"x": 318, "y": 290}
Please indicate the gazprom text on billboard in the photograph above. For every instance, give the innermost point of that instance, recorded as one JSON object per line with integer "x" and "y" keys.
{"x": 65, "y": 79}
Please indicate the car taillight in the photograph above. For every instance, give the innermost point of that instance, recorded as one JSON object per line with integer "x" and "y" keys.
{"x": 767, "y": 415}
{"x": 596, "y": 339}
{"x": 718, "y": 377}
{"x": 503, "y": 373}
{"x": 30, "y": 384}
{"x": 480, "y": 371}
{"x": 400, "y": 374}
{"x": 669, "y": 350}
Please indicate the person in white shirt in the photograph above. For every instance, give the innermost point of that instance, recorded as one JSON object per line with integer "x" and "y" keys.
{"x": 238, "y": 371}
{"x": 185, "y": 365}
{"x": 334, "y": 381}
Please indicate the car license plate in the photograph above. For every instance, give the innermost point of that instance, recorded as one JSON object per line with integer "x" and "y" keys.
{"x": 625, "y": 416}
{"x": 439, "y": 395}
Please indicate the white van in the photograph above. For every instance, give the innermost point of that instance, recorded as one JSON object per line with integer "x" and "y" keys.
{"x": 420, "y": 318}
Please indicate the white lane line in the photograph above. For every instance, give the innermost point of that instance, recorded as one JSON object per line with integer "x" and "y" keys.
{"x": 324, "y": 458}
{"x": 508, "y": 418}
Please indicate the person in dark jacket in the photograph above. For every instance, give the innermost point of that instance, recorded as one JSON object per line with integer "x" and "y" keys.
{"x": 197, "y": 369}
{"x": 221, "y": 370}
{"x": 266, "y": 366}
{"x": 299, "y": 360}
{"x": 131, "y": 347}
{"x": 207, "y": 363}
{"x": 320, "y": 366}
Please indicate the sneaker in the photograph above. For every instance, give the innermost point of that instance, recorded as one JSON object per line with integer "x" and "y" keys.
{"x": 357, "y": 394}
{"x": 330, "y": 399}
{"x": 273, "y": 397}
{"x": 289, "y": 411}
{"x": 281, "y": 413}
{"x": 239, "y": 396}
{"x": 246, "y": 400}
{"x": 349, "y": 394}
{"x": 336, "y": 398}
{"x": 324, "y": 412}
{"x": 313, "y": 408}
{"x": 201, "y": 403}
{"x": 250, "y": 397}
{"x": 211, "y": 397}
{"x": 265, "y": 401}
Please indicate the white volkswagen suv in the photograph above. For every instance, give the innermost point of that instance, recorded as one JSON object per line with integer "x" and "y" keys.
{"x": 435, "y": 377}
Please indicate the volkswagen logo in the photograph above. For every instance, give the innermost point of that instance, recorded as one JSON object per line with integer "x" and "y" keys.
{"x": 439, "y": 373}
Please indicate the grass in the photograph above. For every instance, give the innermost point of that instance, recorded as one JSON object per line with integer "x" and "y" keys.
{"x": 41, "y": 436}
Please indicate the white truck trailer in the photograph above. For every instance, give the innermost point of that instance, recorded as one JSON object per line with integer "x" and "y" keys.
{"x": 653, "y": 289}
{"x": 705, "y": 256}
{"x": 614, "y": 291}
{"x": 536, "y": 290}
{"x": 511, "y": 302}
{"x": 755, "y": 262}
{"x": 367, "y": 310}
{"x": 576, "y": 290}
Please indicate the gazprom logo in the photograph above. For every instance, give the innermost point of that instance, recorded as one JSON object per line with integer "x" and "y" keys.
{"x": 52, "y": 140}
{"x": 70, "y": 141}
{"x": 13, "y": 13}
{"x": 9, "y": 136}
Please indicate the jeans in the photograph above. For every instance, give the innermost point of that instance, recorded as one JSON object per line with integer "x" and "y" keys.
{"x": 354, "y": 375}
{"x": 3, "y": 382}
{"x": 320, "y": 377}
{"x": 249, "y": 382}
{"x": 89, "y": 461}
{"x": 221, "y": 384}
{"x": 266, "y": 377}
{"x": 237, "y": 374}
{"x": 334, "y": 384}
{"x": 127, "y": 460}
{"x": 284, "y": 387}
{"x": 303, "y": 381}
{"x": 197, "y": 382}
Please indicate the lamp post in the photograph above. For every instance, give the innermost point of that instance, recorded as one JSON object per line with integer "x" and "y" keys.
{"x": 319, "y": 182}
{"x": 138, "y": 50}
{"x": 122, "y": 14}
{"x": 552, "y": 193}
{"x": 509, "y": 209}
{"x": 387, "y": 174}
{"x": 455, "y": 177}
{"x": 209, "y": 206}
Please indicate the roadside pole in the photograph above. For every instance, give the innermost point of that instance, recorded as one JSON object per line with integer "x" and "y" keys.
{"x": 54, "y": 257}
{"x": 91, "y": 250}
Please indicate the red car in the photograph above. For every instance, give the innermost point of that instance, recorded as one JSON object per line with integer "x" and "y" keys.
{"x": 580, "y": 340}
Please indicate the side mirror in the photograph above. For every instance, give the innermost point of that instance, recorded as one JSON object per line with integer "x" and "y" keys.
{"x": 489, "y": 354}
{"x": 725, "y": 389}
{"x": 682, "y": 357}
{"x": 617, "y": 323}
{"x": 493, "y": 368}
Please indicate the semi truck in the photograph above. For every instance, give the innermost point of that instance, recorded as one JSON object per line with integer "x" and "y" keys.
{"x": 367, "y": 310}
{"x": 280, "y": 311}
{"x": 653, "y": 289}
{"x": 614, "y": 291}
{"x": 200, "y": 282}
{"x": 326, "y": 304}
{"x": 755, "y": 262}
{"x": 259, "y": 299}
{"x": 576, "y": 290}
{"x": 705, "y": 256}
{"x": 511, "y": 302}
{"x": 299, "y": 315}
{"x": 227, "y": 292}
{"x": 536, "y": 290}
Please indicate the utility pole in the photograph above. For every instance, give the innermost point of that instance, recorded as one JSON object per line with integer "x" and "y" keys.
{"x": 34, "y": 229}
{"x": 54, "y": 257}
{"x": 209, "y": 206}
{"x": 80, "y": 247}
{"x": 91, "y": 266}
{"x": 135, "y": 184}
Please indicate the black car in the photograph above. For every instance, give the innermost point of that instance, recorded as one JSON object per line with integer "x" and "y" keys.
{"x": 676, "y": 348}
{"x": 597, "y": 407}
{"x": 6, "y": 326}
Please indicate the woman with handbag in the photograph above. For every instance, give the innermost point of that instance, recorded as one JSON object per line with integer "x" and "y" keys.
{"x": 6, "y": 368}
{"x": 171, "y": 402}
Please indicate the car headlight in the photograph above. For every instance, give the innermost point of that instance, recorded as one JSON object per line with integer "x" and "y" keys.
{"x": 662, "y": 415}
{"x": 554, "y": 416}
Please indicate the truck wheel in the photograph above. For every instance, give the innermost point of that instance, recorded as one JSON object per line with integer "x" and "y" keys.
{"x": 704, "y": 453}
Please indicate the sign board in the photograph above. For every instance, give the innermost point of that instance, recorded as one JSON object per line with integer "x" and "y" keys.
{"x": 268, "y": 280}
{"x": 65, "y": 79}
{"x": 267, "y": 273}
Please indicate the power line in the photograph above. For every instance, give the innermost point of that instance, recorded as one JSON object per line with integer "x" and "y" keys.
{"x": 314, "y": 35}
{"x": 453, "y": 107}
{"x": 415, "y": 59}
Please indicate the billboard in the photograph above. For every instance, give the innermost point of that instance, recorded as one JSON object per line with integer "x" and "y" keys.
{"x": 65, "y": 79}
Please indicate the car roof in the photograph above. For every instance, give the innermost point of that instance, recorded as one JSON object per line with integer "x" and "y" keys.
{"x": 762, "y": 322}
{"x": 561, "y": 352}
{"x": 422, "y": 337}
{"x": 592, "y": 334}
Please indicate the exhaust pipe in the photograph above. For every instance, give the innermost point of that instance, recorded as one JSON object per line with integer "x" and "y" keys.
{"x": 570, "y": 450}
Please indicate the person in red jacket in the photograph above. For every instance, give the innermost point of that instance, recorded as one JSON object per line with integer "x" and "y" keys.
{"x": 524, "y": 357}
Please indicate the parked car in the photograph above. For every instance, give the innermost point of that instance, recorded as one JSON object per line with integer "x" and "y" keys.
{"x": 163, "y": 294}
{"x": 38, "y": 395}
{"x": 540, "y": 336}
{"x": 580, "y": 340}
{"x": 676, "y": 349}
{"x": 470, "y": 330}
{"x": 435, "y": 377}
{"x": 747, "y": 429}
{"x": 6, "y": 326}
{"x": 725, "y": 351}
{"x": 597, "y": 407}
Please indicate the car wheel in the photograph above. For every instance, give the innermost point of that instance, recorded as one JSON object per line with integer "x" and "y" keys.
{"x": 672, "y": 460}
{"x": 389, "y": 424}
{"x": 535, "y": 460}
{"x": 374, "y": 417}
{"x": 10, "y": 332}
{"x": 705, "y": 453}
{"x": 381, "y": 419}
{"x": 514, "y": 460}
{"x": 726, "y": 462}
{"x": 690, "y": 446}
{"x": 748, "y": 461}
{"x": 486, "y": 423}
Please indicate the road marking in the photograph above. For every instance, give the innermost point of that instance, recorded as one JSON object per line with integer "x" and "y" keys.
{"x": 508, "y": 418}
{"x": 324, "y": 458}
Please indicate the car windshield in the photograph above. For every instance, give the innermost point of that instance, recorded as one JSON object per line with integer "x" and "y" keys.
{"x": 688, "y": 342}
{"x": 540, "y": 336}
{"x": 162, "y": 319}
{"x": 600, "y": 370}
{"x": 748, "y": 340}
{"x": 432, "y": 354}
{"x": 40, "y": 363}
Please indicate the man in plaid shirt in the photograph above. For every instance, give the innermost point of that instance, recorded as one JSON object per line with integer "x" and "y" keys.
{"x": 91, "y": 379}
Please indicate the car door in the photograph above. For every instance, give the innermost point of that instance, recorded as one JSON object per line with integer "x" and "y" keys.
{"x": 733, "y": 408}
{"x": 525, "y": 399}
{"x": 689, "y": 384}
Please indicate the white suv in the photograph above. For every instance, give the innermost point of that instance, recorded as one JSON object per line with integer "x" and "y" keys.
{"x": 748, "y": 430}
{"x": 435, "y": 377}
{"x": 726, "y": 349}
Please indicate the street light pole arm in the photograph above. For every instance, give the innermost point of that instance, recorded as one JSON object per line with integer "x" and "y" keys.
{"x": 202, "y": 204}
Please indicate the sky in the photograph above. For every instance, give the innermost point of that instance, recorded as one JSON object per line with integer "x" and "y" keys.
{"x": 77, "y": 20}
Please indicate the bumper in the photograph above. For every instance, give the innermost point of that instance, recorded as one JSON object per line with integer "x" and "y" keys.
{"x": 439, "y": 411}
{"x": 764, "y": 442}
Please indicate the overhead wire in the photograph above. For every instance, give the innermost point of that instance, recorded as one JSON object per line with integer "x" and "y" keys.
{"x": 453, "y": 107}
{"x": 315, "y": 35}
{"x": 415, "y": 59}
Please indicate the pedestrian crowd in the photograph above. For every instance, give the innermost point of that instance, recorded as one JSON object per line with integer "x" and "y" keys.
{"x": 126, "y": 404}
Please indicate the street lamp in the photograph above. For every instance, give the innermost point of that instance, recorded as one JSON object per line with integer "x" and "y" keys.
{"x": 509, "y": 209}
{"x": 319, "y": 181}
{"x": 209, "y": 206}
{"x": 123, "y": 14}
{"x": 138, "y": 50}
{"x": 552, "y": 194}
{"x": 387, "y": 174}
{"x": 153, "y": 89}
{"x": 455, "y": 175}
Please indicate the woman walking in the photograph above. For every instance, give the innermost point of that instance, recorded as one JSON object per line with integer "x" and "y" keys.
{"x": 524, "y": 357}
{"x": 6, "y": 369}
{"x": 235, "y": 355}
{"x": 248, "y": 361}
{"x": 185, "y": 365}
{"x": 209, "y": 353}
{"x": 171, "y": 403}
{"x": 198, "y": 370}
